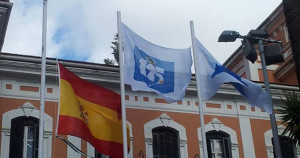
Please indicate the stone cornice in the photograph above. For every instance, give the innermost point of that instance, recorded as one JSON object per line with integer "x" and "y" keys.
{"x": 14, "y": 66}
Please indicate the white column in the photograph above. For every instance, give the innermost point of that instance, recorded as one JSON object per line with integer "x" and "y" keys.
{"x": 247, "y": 138}
{"x": 90, "y": 150}
{"x": 5, "y": 140}
{"x": 77, "y": 142}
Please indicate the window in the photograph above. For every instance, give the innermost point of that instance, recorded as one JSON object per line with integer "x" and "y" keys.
{"x": 288, "y": 147}
{"x": 218, "y": 144}
{"x": 274, "y": 34}
{"x": 165, "y": 143}
{"x": 286, "y": 33}
{"x": 24, "y": 138}
{"x": 99, "y": 155}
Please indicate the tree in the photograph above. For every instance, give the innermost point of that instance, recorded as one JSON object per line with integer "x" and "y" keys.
{"x": 115, "y": 47}
{"x": 108, "y": 61}
{"x": 291, "y": 10}
{"x": 290, "y": 116}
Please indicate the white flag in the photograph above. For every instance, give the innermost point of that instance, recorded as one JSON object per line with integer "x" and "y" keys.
{"x": 149, "y": 67}
{"x": 212, "y": 75}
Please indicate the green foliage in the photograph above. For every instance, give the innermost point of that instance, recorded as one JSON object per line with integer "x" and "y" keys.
{"x": 115, "y": 47}
{"x": 290, "y": 116}
{"x": 109, "y": 61}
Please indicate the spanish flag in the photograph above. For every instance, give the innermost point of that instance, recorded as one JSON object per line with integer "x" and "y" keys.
{"x": 91, "y": 113}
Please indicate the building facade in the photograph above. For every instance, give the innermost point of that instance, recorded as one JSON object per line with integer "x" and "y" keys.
{"x": 283, "y": 73}
{"x": 232, "y": 125}
{"x": 234, "y": 129}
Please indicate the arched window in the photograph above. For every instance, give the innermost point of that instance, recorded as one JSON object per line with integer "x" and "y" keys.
{"x": 288, "y": 147}
{"x": 218, "y": 144}
{"x": 165, "y": 143}
{"x": 24, "y": 137}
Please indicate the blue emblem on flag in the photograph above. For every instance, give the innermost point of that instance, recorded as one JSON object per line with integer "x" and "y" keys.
{"x": 219, "y": 69}
{"x": 157, "y": 74}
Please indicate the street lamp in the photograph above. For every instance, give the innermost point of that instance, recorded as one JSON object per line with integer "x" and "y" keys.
{"x": 270, "y": 53}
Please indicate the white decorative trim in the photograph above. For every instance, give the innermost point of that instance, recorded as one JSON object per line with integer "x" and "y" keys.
{"x": 77, "y": 142}
{"x": 216, "y": 125}
{"x": 130, "y": 154}
{"x": 28, "y": 110}
{"x": 90, "y": 150}
{"x": 247, "y": 68}
{"x": 253, "y": 68}
{"x": 247, "y": 138}
{"x": 165, "y": 121}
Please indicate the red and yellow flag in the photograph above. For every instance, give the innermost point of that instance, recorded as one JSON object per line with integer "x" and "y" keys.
{"x": 91, "y": 113}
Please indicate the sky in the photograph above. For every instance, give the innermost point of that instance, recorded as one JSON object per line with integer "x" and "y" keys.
{"x": 83, "y": 30}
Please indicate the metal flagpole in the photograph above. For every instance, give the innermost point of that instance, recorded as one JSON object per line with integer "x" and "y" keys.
{"x": 122, "y": 87}
{"x": 199, "y": 92}
{"x": 277, "y": 144}
{"x": 43, "y": 81}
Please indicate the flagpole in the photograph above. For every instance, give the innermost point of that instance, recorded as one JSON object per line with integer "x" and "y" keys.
{"x": 122, "y": 87}
{"x": 43, "y": 82}
{"x": 199, "y": 92}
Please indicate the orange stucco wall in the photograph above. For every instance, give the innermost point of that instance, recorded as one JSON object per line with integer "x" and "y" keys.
{"x": 139, "y": 117}
{"x": 59, "y": 148}
{"x": 258, "y": 136}
{"x": 290, "y": 80}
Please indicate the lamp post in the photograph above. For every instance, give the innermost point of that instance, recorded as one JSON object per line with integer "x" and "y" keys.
{"x": 259, "y": 37}
{"x": 267, "y": 87}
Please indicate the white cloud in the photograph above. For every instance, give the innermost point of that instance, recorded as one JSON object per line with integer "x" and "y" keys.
{"x": 87, "y": 28}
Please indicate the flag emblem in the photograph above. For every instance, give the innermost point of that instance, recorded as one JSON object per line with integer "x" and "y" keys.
{"x": 157, "y": 74}
{"x": 219, "y": 69}
{"x": 153, "y": 68}
{"x": 83, "y": 114}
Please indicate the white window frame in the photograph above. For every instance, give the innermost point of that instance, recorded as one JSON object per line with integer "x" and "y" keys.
{"x": 165, "y": 121}
{"x": 26, "y": 140}
{"x": 216, "y": 125}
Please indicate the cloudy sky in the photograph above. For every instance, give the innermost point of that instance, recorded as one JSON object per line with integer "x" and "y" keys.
{"x": 84, "y": 29}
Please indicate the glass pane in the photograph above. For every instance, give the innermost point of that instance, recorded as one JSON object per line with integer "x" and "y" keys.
{"x": 29, "y": 144}
{"x": 212, "y": 145}
{"x": 219, "y": 155}
{"x": 30, "y": 149}
{"x": 218, "y": 146}
{"x": 30, "y": 134}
